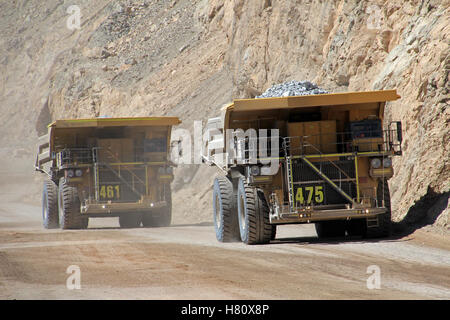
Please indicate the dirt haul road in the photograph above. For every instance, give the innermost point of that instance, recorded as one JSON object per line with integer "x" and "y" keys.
{"x": 186, "y": 261}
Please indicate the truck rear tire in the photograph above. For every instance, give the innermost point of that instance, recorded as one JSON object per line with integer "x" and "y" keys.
{"x": 224, "y": 211}
{"x": 130, "y": 220}
{"x": 330, "y": 229}
{"x": 274, "y": 232}
{"x": 356, "y": 227}
{"x": 253, "y": 215}
{"x": 69, "y": 208}
{"x": 383, "y": 226}
{"x": 161, "y": 217}
{"x": 147, "y": 220}
{"x": 50, "y": 218}
{"x": 164, "y": 219}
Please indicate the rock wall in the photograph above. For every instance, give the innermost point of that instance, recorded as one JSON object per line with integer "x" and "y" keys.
{"x": 355, "y": 46}
{"x": 188, "y": 58}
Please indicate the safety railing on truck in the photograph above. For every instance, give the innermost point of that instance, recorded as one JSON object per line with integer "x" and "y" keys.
{"x": 326, "y": 161}
{"x": 72, "y": 157}
{"x": 112, "y": 179}
{"x": 249, "y": 149}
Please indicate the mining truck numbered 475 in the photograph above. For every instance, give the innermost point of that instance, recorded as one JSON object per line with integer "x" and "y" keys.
{"x": 323, "y": 159}
{"x": 107, "y": 167}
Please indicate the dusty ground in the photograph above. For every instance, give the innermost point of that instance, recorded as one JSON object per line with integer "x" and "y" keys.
{"x": 186, "y": 262}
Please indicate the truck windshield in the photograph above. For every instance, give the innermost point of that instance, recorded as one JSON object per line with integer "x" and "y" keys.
{"x": 370, "y": 128}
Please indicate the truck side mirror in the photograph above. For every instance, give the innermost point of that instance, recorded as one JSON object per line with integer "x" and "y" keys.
{"x": 178, "y": 145}
{"x": 180, "y": 148}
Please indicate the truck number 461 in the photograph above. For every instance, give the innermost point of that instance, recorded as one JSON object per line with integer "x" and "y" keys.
{"x": 308, "y": 194}
{"x": 110, "y": 192}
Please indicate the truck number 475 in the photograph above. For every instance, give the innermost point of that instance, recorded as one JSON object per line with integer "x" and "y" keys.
{"x": 308, "y": 194}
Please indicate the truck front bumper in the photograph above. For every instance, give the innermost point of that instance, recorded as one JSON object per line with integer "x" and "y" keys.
{"x": 112, "y": 208}
{"x": 313, "y": 215}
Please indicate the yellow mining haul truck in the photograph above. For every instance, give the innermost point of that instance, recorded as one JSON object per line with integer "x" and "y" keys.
{"x": 322, "y": 159}
{"x": 107, "y": 167}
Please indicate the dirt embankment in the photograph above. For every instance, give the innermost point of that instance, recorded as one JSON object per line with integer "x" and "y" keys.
{"x": 188, "y": 58}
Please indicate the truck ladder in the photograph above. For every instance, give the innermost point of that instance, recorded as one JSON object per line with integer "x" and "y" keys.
{"x": 289, "y": 178}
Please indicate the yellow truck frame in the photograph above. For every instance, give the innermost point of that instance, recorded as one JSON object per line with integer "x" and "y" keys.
{"x": 107, "y": 167}
{"x": 334, "y": 155}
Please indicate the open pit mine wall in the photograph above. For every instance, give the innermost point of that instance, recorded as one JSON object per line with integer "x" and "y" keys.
{"x": 188, "y": 58}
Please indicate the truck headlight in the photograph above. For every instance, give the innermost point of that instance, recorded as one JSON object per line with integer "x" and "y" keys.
{"x": 78, "y": 172}
{"x": 387, "y": 162}
{"x": 70, "y": 173}
{"x": 255, "y": 170}
{"x": 375, "y": 163}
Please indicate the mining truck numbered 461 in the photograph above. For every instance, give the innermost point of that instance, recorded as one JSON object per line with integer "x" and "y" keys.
{"x": 107, "y": 167}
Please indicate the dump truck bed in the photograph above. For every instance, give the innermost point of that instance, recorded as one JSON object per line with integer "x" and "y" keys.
{"x": 274, "y": 113}
{"x": 331, "y": 99}
{"x": 58, "y": 125}
{"x": 113, "y": 122}
{"x": 47, "y": 145}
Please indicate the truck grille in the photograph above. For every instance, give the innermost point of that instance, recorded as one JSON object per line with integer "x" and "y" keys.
{"x": 112, "y": 188}
{"x": 305, "y": 176}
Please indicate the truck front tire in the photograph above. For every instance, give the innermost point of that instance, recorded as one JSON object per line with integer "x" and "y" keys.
{"x": 253, "y": 215}
{"x": 50, "y": 217}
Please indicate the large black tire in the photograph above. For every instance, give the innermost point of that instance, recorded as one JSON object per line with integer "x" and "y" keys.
{"x": 274, "y": 232}
{"x": 164, "y": 217}
{"x": 130, "y": 220}
{"x": 161, "y": 217}
{"x": 253, "y": 215}
{"x": 69, "y": 208}
{"x": 224, "y": 211}
{"x": 148, "y": 219}
{"x": 330, "y": 229}
{"x": 382, "y": 227}
{"x": 50, "y": 218}
{"x": 356, "y": 227}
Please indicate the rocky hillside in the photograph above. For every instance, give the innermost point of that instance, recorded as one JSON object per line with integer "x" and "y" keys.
{"x": 188, "y": 58}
